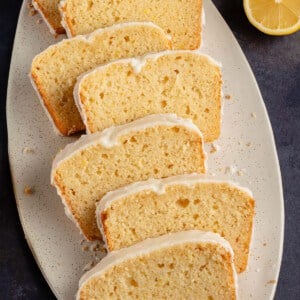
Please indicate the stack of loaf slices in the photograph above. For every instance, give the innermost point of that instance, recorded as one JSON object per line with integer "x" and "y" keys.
{"x": 131, "y": 76}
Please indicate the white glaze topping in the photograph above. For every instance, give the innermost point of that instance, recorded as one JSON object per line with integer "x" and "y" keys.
{"x": 137, "y": 64}
{"x": 88, "y": 38}
{"x": 149, "y": 245}
{"x": 110, "y": 136}
{"x": 155, "y": 56}
{"x": 159, "y": 186}
{"x": 37, "y": 8}
{"x": 63, "y": 18}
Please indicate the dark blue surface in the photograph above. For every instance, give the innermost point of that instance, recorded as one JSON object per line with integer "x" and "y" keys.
{"x": 276, "y": 65}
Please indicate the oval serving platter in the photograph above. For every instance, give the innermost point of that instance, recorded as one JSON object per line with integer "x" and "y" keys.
{"x": 246, "y": 154}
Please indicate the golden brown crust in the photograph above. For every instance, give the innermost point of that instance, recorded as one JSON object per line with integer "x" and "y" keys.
{"x": 250, "y": 231}
{"x": 227, "y": 257}
{"x": 67, "y": 19}
{"x": 217, "y": 131}
{"x": 64, "y": 130}
{"x": 59, "y": 29}
{"x": 68, "y": 203}
{"x": 83, "y": 100}
{"x": 106, "y": 232}
{"x": 198, "y": 33}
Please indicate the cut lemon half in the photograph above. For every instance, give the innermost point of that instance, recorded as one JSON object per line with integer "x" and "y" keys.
{"x": 275, "y": 17}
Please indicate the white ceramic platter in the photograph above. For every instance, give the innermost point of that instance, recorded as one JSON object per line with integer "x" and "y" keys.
{"x": 247, "y": 145}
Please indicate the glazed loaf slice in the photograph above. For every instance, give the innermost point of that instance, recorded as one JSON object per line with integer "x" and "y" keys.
{"x": 180, "y": 19}
{"x": 49, "y": 11}
{"x": 185, "y": 202}
{"x": 183, "y": 265}
{"x": 156, "y": 146}
{"x": 187, "y": 83}
{"x": 54, "y": 71}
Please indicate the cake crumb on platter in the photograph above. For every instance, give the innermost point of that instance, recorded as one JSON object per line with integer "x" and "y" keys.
{"x": 28, "y": 150}
{"x": 88, "y": 266}
{"x": 32, "y": 12}
{"x": 240, "y": 172}
{"x": 231, "y": 170}
{"x": 228, "y": 97}
{"x": 85, "y": 248}
{"x": 214, "y": 148}
{"x": 39, "y": 21}
{"x": 29, "y": 5}
{"x": 28, "y": 190}
{"x": 253, "y": 115}
{"x": 93, "y": 247}
{"x": 103, "y": 250}
{"x": 31, "y": 9}
{"x": 273, "y": 281}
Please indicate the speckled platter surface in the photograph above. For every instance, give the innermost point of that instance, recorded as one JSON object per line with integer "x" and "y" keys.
{"x": 245, "y": 153}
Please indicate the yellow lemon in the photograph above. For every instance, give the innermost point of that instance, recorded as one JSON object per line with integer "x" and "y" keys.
{"x": 275, "y": 17}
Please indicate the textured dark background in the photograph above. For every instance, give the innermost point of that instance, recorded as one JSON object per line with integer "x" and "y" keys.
{"x": 276, "y": 65}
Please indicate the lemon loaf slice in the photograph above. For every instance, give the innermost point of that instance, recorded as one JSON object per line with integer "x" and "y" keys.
{"x": 54, "y": 71}
{"x": 49, "y": 11}
{"x": 183, "y": 265}
{"x": 156, "y": 146}
{"x": 180, "y": 19}
{"x": 183, "y": 82}
{"x": 159, "y": 206}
